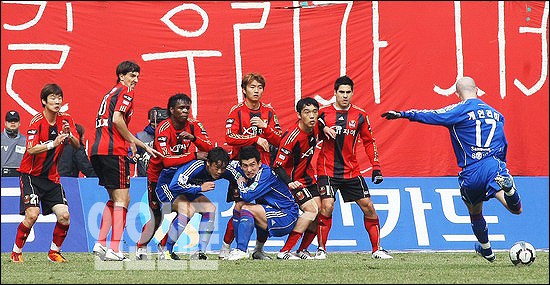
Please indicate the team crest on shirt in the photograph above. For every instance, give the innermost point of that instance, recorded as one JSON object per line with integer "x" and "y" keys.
{"x": 300, "y": 195}
{"x": 352, "y": 123}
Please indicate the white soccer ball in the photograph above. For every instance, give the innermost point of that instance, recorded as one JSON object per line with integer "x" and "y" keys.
{"x": 522, "y": 253}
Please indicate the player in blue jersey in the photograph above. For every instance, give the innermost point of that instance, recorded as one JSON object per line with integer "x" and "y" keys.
{"x": 479, "y": 143}
{"x": 274, "y": 210}
{"x": 181, "y": 188}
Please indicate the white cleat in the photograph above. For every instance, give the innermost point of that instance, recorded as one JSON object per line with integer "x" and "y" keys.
{"x": 99, "y": 250}
{"x": 141, "y": 253}
{"x": 321, "y": 254}
{"x": 505, "y": 183}
{"x": 287, "y": 255}
{"x": 237, "y": 254}
{"x": 381, "y": 254}
{"x": 111, "y": 255}
{"x": 224, "y": 252}
{"x": 304, "y": 254}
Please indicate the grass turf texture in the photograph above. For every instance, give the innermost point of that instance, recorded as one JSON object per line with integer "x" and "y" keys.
{"x": 360, "y": 268}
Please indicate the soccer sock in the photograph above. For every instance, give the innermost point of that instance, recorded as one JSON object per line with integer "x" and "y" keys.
{"x": 307, "y": 239}
{"x": 148, "y": 231}
{"x": 176, "y": 228}
{"x": 291, "y": 241}
{"x": 106, "y": 222}
{"x": 323, "y": 228}
{"x": 165, "y": 238}
{"x": 206, "y": 227}
{"x": 232, "y": 226}
{"x": 513, "y": 201}
{"x": 373, "y": 228}
{"x": 246, "y": 227}
{"x": 119, "y": 222}
{"x": 479, "y": 227}
{"x": 21, "y": 237}
{"x": 59, "y": 234}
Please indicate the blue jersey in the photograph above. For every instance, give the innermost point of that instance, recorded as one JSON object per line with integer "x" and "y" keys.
{"x": 476, "y": 129}
{"x": 267, "y": 189}
{"x": 187, "y": 180}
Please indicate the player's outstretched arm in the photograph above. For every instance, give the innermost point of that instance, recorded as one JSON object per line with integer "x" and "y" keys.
{"x": 391, "y": 115}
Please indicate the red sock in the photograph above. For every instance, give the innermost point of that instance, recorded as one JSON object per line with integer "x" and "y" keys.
{"x": 119, "y": 222}
{"x": 323, "y": 228}
{"x": 164, "y": 240}
{"x": 307, "y": 239}
{"x": 146, "y": 233}
{"x": 373, "y": 228}
{"x": 106, "y": 223}
{"x": 59, "y": 233}
{"x": 229, "y": 235}
{"x": 22, "y": 234}
{"x": 291, "y": 241}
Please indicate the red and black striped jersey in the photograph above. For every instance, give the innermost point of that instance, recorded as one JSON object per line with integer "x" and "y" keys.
{"x": 337, "y": 157}
{"x": 41, "y": 132}
{"x": 295, "y": 154}
{"x": 240, "y": 133}
{"x": 108, "y": 141}
{"x": 176, "y": 150}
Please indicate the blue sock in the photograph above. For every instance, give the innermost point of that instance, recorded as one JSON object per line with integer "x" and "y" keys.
{"x": 246, "y": 227}
{"x": 479, "y": 226}
{"x": 176, "y": 228}
{"x": 206, "y": 227}
{"x": 236, "y": 217}
{"x": 513, "y": 202}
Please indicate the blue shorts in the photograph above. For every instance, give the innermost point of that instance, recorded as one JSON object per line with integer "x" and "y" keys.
{"x": 477, "y": 182}
{"x": 163, "y": 191}
{"x": 280, "y": 222}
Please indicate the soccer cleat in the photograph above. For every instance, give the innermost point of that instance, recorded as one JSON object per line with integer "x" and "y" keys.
{"x": 55, "y": 256}
{"x": 261, "y": 255}
{"x": 16, "y": 257}
{"x": 506, "y": 183}
{"x": 111, "y": 255}
{"x": 99, "y": 250}
{"x": 486, "y": 253}
{"x": 199, "y": 255}
{"x": 165, "y": 254}
{"x": 304, "y": 254}
{"x": 381, "y": 254}
{"x": 237, "y": 254}
{"x": 224, "y": 252}
{"x": 287, "y": 255}
{"x": 320, "y": 254}
{"x": 141, "y": 253}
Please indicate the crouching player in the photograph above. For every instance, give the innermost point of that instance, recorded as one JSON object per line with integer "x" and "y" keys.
{"x": 182, "y": 189}
{"x": 275, "y": 210}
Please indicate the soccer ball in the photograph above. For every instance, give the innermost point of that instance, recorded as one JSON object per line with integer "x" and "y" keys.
{"x": 522, "y": 253}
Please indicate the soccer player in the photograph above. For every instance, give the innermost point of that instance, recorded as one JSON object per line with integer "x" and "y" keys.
{"x": 48, "y": 133}
{"x": 251, "y": 122}
{"x": 293, "y": 165}
{"x": 109, "y": 157}
{"x": 173, "y": 138}
{"x": 337, "y": 166}
{"x": 480, "y": 146}
{"x": 275, "y": 210}
{"x": 182, "y": 188}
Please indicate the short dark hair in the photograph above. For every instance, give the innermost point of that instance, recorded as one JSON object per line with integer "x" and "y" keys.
{"x": 174, "y": 99}
{"x": 218, "y": 154}
{"x": 125, "y": 67}
{"x": 50, "y": 88}
{"x": 343, "y": 80}
{"x": 305, "y": 102}
{"x": 249, "y": 152}
{"x": 251, "y": 77}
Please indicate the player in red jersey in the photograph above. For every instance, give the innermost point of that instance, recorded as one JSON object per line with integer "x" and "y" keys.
{"x": 48, "y": 133}
{"x": 173, "y": 138}
{"x": 338, "y": 169}
{"x": 293, "y": 165}
{"x": 109, "y": 157}
{"x": 250, "y": 123}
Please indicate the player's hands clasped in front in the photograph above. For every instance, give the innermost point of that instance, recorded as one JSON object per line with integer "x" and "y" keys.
{"x": 391, "y": 115}
{"x": 377, "y": 176}
{"x": 258, "y": 122}
{"x": 208, "y": 186}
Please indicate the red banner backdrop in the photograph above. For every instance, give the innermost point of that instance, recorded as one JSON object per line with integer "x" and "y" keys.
{"x": 401, "y": 55}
